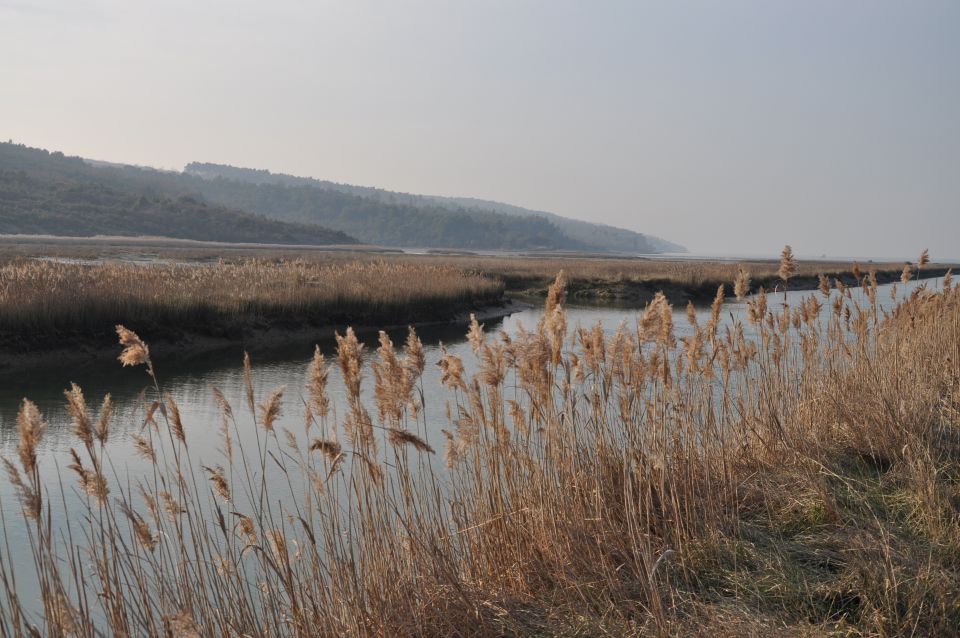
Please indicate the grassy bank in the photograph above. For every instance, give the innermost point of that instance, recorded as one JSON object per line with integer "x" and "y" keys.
{"x": 635, "y": 282}
{"x": 55, "y": 296}
{"x": 50, "y": 304}
{"x": 797, "y": 475}
{"x": 591, "y": 278}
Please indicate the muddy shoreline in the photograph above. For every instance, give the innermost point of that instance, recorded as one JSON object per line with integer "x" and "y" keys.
{"x": 520, "y": 294}
{"x": 254, "y": 340}
{"x": 631, "y": 293}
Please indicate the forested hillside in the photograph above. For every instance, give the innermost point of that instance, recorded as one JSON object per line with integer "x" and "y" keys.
{"x": 391, "y": 224}
{"x": 305, "y": 209}
{"x": 591, "y": 236}
{"x": 47, "y": 193}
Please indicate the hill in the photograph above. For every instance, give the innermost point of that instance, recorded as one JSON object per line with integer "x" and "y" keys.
{"x": 44, "y": 192}
{"x": 301, "y": 208}
{"x": 591, "y": 236}
{"x": 49, "y": 193}
{"x": 390, "y": 224}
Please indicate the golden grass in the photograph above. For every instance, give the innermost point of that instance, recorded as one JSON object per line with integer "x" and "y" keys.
{"x": 520, "y": 269}
{"x": 795, "y": 475}
{"x": 53, "y": 302}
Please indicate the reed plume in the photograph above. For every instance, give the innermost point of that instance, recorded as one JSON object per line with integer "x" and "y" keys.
{"x": 399, "y": 438}
{"x": 144, "y": 448}
{"x": 142, "y": 532}
{"x": 788, "y": 264}
{"x": 30, "y": 429}
{"x": 330, "y": 449}
{"x": 102, "y": 428}
{"x": 349, "y": 357}
{"x": 741, "y": 285}
{"x": 171, "y": 507}
{"x": 475, "y": 334}
{"x": 91, "y": 480}
{"x": 135, "y": 352}
{"x": 824, "y": 285}
{"x": 219, "y": 481}
{"x": 30, "y": 498}
{"x": 77, "y": 409}
{"x": 556, "y": 294}
{"x": 907, "y": 274}
{"x": 181, "y": 625}
{"x": 317, "y": 385}
{"x": 414, "y": 359}
{"x": 451, "y": 370}
{"x": 248, "y": 383}
{"x": 270, "y": 409}
{"x": 175, "y": 421}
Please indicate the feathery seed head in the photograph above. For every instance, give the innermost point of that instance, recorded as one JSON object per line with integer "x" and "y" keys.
{"x": 317, "y": 385}
{"x": 741, "y": 285}
{"x": 788, "y": 265}
{"x": 399, "y": 437}
{"x": 824, "y": 285}
{"x": 557, "y": 293}
{"x": 77, "y": 409}
{"x": 270, "y": 409}
{"x": 30, "y": 429}
{"x": 906, "y": 274}
{"x": 135, "y": 352}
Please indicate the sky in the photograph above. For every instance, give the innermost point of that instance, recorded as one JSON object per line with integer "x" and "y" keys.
{"x": 731, "y": 127}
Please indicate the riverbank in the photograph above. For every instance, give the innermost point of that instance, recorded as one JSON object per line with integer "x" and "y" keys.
{"x": 53, "y": 308}
{"x": 638, "y": 291}
{"x": 187, "y": 344}
{"x": 64, "y": 306}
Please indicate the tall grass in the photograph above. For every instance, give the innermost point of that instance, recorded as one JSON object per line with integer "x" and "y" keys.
{"x": 795, "y": 474}
{"x": 56, "y": 301}
{"x": 519, "y": 272}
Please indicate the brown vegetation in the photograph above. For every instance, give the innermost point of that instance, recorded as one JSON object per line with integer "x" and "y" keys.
{"x": 46, "y": 304}
{"x": 795, "y": 475}
{"x": 591, "y": 279}
{"x": 58, "y": 297}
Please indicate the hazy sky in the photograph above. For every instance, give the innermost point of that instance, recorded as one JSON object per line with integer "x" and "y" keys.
{"x": 726, "y": 126}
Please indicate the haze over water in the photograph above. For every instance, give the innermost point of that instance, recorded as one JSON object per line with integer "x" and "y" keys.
{"x": 721, "y": 126}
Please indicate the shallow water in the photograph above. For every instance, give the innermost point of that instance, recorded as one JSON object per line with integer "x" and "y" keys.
{"x": 190, "y": 381}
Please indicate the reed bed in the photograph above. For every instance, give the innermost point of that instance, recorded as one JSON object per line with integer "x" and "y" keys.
{"x": 530, "y": 272}
{"x": 637, "y": 281}
{"x": 793, "y": 474}
{"x": 45, "y": 303}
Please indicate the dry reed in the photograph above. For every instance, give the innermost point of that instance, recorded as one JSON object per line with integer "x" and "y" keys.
{"x": 798, "y": 472}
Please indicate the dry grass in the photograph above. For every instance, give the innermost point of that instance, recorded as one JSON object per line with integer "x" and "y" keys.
{"x": 792, "y": 476}
{"x": 48, "y": 303}
{"x": 59, "y": 296}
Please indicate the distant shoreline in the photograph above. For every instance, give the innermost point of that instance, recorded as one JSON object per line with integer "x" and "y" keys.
{"x": 258, "y": 338}
{"x": 149, "y": 241}
{"x": 253, "y": 339}
{"x": 278, "y": 311}
{"x": 637, "y": 293}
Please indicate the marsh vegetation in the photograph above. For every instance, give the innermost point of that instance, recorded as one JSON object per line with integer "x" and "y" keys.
{"x": 48, "y": 304}
{"x": 792, "y": 472}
